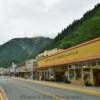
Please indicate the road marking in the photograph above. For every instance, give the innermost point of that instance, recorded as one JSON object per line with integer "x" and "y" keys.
{"x": 1, "y": 96}
{"x": 90, "y": 92}
{"x": 43, "y": 93}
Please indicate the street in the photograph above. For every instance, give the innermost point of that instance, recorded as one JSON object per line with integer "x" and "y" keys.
{"x": 24, "y": 90}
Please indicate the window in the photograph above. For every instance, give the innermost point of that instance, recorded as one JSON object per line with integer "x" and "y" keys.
{"x": 85, "y": 64}
{"x": 71, "y": 74}
{"x": 80, "y": 65}
{"x": 98, "y": 63}
{"x": 78, "y": 74}
{"x": 74, "y": 66}
{"x": 94, "y": 63}
{"x": 89, "y": 63}
{"x": 69, "y": 66}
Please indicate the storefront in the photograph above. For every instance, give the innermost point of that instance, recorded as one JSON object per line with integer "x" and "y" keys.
{"x": 83, "y": 72}
{"x": 79, "y": 64}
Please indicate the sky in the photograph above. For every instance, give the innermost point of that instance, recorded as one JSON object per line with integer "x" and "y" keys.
{"x": 32, "y": 18}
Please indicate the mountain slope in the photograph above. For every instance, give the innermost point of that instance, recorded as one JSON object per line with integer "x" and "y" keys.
{"x": 20, "y": 49}
{"x": 87, "y": 28}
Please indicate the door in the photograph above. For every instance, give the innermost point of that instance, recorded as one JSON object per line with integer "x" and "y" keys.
{"x": 59, "y": 76}
{"x": 96, "y": 73}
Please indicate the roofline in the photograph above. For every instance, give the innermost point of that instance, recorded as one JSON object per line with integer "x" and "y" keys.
{"x": 86, "y": 59}
{"x": 73, "y": 47}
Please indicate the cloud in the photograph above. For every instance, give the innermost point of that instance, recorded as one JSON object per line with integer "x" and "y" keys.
{"x": 49, "y": 4}
{"x": 20, "y": 18}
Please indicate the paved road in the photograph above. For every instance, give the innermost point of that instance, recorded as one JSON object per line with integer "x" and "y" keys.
{"x": 22, "y": 90}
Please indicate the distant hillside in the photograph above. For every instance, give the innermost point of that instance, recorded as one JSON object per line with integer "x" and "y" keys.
{"x": 87, "y": 28}
{"x": 20, "y": 49}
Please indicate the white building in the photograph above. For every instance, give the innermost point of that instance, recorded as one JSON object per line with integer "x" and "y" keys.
{"x": 26, "y": 69}
{"x": 3, "y": 71}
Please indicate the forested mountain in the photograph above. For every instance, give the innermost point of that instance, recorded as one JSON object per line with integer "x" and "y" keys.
{"x": 87, "y": 28}
{"x": 21, "y": 49}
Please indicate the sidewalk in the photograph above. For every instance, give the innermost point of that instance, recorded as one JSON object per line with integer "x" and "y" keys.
{"x": 82, "y": 89}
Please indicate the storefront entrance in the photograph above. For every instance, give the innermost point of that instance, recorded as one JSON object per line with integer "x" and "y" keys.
{"x": 59, "y": 76}
{"x": 96, "y": 73}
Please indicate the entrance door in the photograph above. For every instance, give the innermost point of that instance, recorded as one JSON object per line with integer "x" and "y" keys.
{"x": 59, "y": 76}
{"x": 96, "y": 73}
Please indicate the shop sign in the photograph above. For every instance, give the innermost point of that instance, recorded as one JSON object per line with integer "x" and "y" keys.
{"x": 61, "y": 56}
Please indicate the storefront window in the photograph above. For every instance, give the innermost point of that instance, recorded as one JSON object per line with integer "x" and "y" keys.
{"x": 80, "y": 65}
{"x": 98, "y": 63}
{"x": 86, "y": 75}
{"x": 71, "y": 74}
{"x": 86, "y": 64}
{"x": 94, "y": 63}
{"x": 78, "y": 74}
{"x": 74, "y": 66}
{"x": 69, "y": 66}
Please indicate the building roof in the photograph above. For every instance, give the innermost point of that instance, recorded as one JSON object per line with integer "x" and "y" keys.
{"x": 79, "y": 45}
{"x": 86, "y": 51}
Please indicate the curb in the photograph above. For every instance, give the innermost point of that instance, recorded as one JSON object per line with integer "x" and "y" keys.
{"x": 55, "y": 85}
{"x": 86, "y": 91}
{"x": 3, "y": 95}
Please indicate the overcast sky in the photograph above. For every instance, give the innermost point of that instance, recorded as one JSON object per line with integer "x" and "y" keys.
{"x": 31, "y": 18}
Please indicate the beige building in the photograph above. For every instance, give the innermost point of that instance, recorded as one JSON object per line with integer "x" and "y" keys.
{"x": 48, "y": 53}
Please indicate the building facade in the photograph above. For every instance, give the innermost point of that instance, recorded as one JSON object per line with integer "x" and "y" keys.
{"x": 79, "y": 64}
{"x": 26, "y": 69}
{"x": 48, "y": 53}
{"x": 31, "y": 68}
{"x": 3, "y": 71}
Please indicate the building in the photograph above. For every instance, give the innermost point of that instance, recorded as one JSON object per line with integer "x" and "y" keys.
{"x": 21, "y": 70}
{"x": 79, "y": 64}
{"x": 3, "y": 71}
{"x": 31, "y": 68}
{"x": 26, "y": 69}
{"x": 48, "y": 53}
